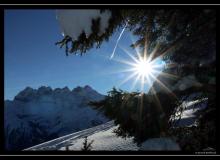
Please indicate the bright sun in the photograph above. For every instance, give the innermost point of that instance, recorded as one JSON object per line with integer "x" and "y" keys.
{"x": 144, "y": 68}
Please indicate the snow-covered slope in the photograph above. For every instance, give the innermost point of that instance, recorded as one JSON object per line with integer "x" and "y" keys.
{"x": 39, "y": 115}
{"x": 105, "y": 139}
{"x": 103, "y": 136}
{"x": 191, "y": 110}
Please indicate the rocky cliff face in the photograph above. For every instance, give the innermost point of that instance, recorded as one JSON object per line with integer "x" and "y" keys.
{"x": 39, "y": 115}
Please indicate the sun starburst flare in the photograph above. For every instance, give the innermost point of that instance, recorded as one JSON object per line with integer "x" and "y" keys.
{"x": 143, "y": 69}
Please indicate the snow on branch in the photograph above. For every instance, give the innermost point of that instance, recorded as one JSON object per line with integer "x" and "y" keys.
{"x": 74, "y": 21}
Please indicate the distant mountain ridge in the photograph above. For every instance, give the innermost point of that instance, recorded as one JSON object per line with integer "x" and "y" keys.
{"x": 39, "y": 115}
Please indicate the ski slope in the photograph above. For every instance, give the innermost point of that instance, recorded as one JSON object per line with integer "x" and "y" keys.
{"x": 103, "y": 136}
{"x": 104, "y": 140}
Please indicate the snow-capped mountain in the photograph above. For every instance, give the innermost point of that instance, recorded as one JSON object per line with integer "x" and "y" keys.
{"x": 39, "y": 115}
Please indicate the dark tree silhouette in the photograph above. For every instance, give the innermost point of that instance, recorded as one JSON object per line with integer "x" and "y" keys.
{"x": 186, "y": 40}
{"x": 87, "y": 146}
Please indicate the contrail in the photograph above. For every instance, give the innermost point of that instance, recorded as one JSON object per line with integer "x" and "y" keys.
{"x": 113, "y": 53}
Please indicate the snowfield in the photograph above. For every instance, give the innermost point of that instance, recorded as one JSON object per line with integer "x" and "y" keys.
{"x": 104, "y": 140}
{"x": 64, "y": 141}
{"x": 103, "y": 136}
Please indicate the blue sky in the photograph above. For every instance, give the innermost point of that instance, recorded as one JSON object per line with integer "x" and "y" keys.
{"x": 31, "y": 57}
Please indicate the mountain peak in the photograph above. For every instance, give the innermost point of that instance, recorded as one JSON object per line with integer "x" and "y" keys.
{"x": 66, "y": 88}
{"x": 29, "y": 93}
{"x": 44, "y": 87}
{"x": 44, "y": 90}
{"x": 87, "y": 87}
{"x": 77, "y": 89}
{"x": 28, "y": 89}
{"x": 26, "y": 94}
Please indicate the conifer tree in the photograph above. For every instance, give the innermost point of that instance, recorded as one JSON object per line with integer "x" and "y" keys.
{"x": 185, "y": 39}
